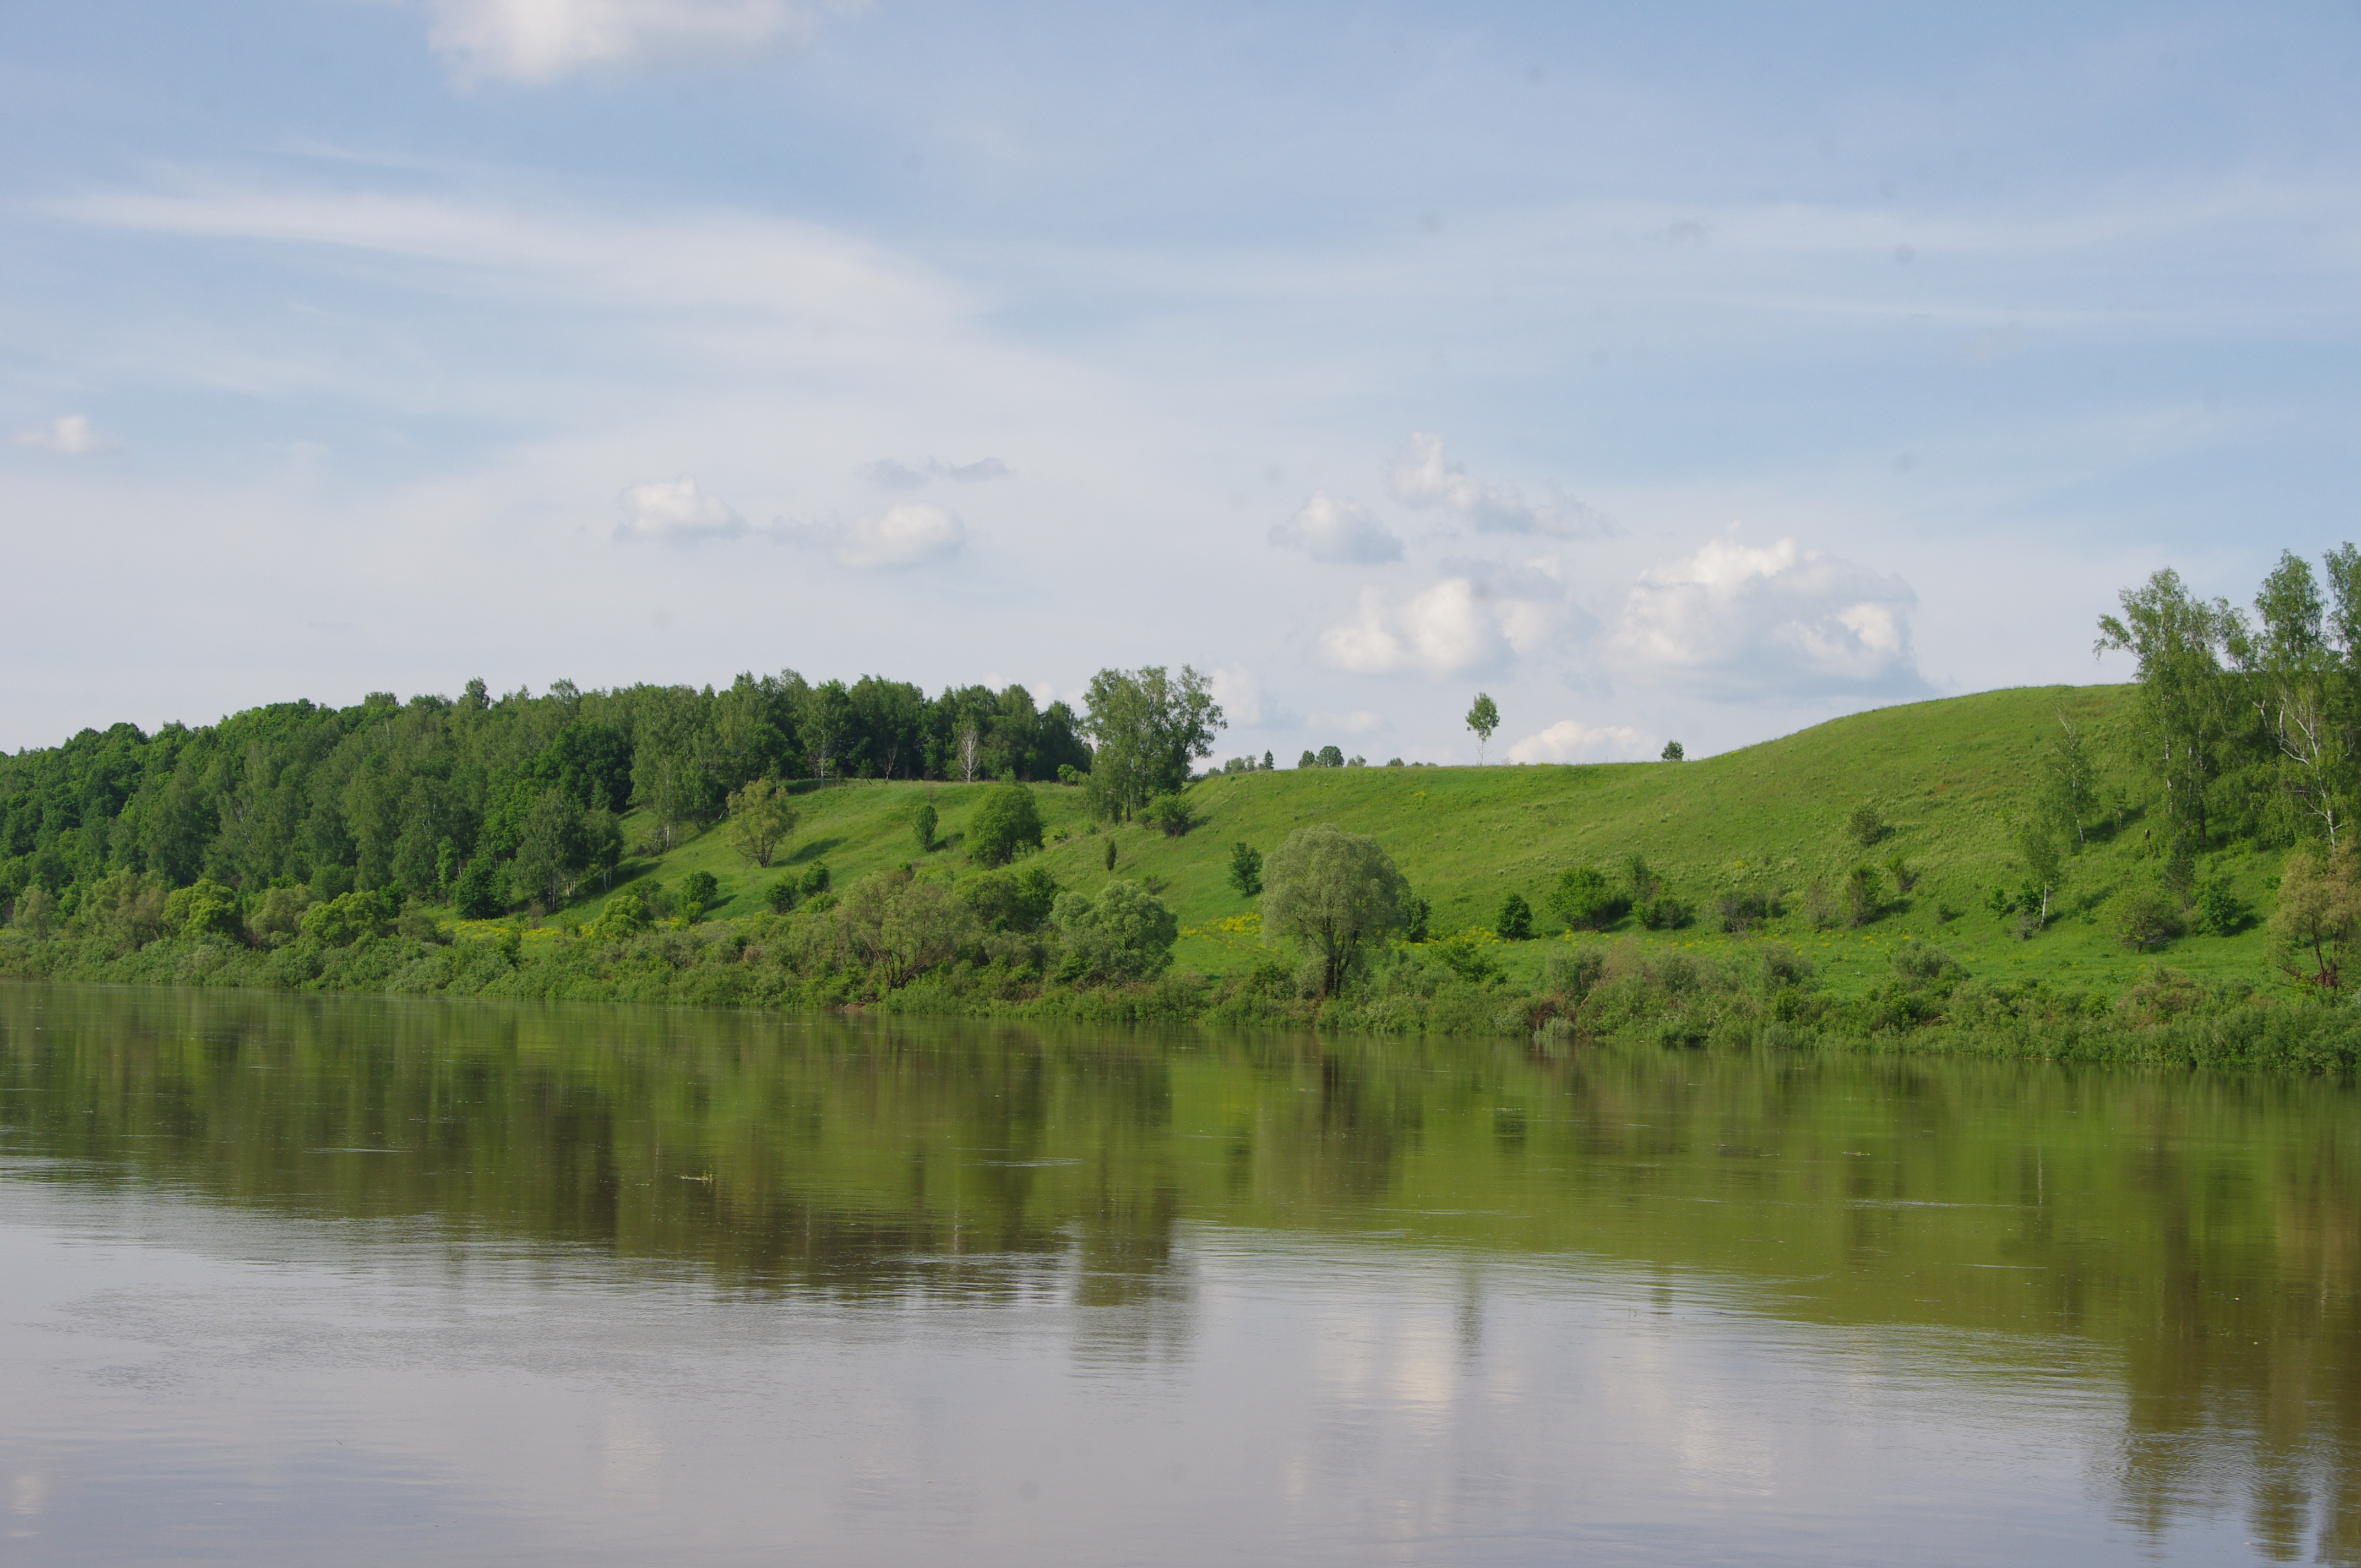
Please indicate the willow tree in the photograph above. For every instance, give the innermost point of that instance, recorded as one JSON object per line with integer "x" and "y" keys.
{"x": 1337, "y": 893}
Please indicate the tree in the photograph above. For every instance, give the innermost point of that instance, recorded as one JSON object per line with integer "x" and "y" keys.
{"x": 670, "y": 774}
{"x": 1865, "y": 894}
{"x": 1515, "y": 922}
{"x": 760, "y": 817}
{"x": 550, "y": 852}
{"x": 1009, "y": 900}
{"x": 970, "y": 751}
{"x": 1169, "y": 815}
{"x": 695, "y": 895}
{"x": 2295, "y": 675}
{"x": 2184, "y": 711}
{"x": 1005, "y": 822}
{"x": 1124, "y": 932}
{"x": 1245, "y": 868}
{"x": 1145, "y": 728}
{"x": 2038, "y": 850}
{"x": 2068, "y": 784}
{"x": 922, "y": 827}
{"x": 824, "y": 723}
{"x": 1673, "y": 752}
{"x": 1335, "y": 892}
{"x": 476, "y": 895}
{"x": 1586, "y": 900}
{"x": 1110, "y": 854}
{"x": 1484, "y": 717}
{"x": 1308, "y": 760}
{"x": 1331, "y": 757}
{"x": 2319, "y": 907}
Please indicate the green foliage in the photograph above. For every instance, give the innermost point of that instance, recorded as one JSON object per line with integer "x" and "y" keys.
{"x": 1145, "y": 728}
{"x": 1584, "y": 900}
{"x": 1483, "y": 718}
{"x": 346, "y": 919}
{"x": 277, "y": 919}
{"x": 205, "y": 909}
{"x": 1335, "y": 894}
{"x": 815, "y": 880}
{"x": 1007, "y": 822}
{"x": 1416, "y": 912}
{"x": 1123, "y": 934}
{"x": 694, "y": 895}
{"x": 1245, "y": 868}
{"x": 1330, "y": 757}
{"x": 1739, "y": 913}
{"x": 923, "y": 823}
{"x": 1169, "y": 815}
{"x": 626, "y": 915}
{"x": 1009, "y": 900}
{"x": 1662, "y": 913}
{"x": 479, "y": 896}
{"x": 2317, "y": 914}
{"x": 1904, "y": 876}
{"x": 2219, "y": 911}
{"x": 1308, "y": 760}
{"x": 1515, "y": 921}
{"x": 760, "y": 817}
{"x": 1110, "y": 853}
{"x": 1867, "y": 825}
{"x": 1673, "y": 752}
{"x": 781, "y": 894}
{"x": 1864, "y": 894}
{"x": 2145, "y": 915}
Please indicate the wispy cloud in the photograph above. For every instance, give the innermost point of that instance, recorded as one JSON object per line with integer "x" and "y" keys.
{"x": 889, "y": 473}
{"x": 534, "y": 41}
{"x": 1337, "y": 531}
{"x": 68, "y": 435}
{"x": 1571, "y": 740}
{"x": 1423, "y": 476}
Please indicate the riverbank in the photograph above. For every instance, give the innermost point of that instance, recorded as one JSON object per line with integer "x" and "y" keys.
{"x": 1766, "y": 996}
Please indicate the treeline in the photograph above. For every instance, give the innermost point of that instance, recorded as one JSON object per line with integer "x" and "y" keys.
{"x": 508, "y": 798}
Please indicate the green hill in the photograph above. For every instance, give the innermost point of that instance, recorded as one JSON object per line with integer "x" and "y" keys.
{"x": 1772, "y": 819}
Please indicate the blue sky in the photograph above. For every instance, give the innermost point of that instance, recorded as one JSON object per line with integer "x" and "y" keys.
{"x": 1692, "y": 372}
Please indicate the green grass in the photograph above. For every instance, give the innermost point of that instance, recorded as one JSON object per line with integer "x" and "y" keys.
{"x": 1769, "y": 817}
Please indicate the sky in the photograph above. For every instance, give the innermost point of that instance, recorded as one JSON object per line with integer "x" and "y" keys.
{"x": 1694, "y": 372}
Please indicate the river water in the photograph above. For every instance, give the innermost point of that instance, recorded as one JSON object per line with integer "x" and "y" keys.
{"x": 293, "y": 1280}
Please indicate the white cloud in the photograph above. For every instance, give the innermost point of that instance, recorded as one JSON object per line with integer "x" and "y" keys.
{"x": 70, "y": 435}
{"x": 1569, "y": 740}
{"x": 541, "y": 41}
{"x": 1239, "y": 691}
{"x": 1329, "y": 529}
{"x": 1360, "y": 721}
{"x": 909, "y": 534}
{"x": 1451, "y": 627}
{"x": 1734, "y": 620}
{"x": 1423, "y": 476}
{"x": 677, "y": 509}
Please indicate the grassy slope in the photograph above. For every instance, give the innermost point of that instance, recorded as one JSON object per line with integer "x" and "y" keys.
{"x": 1769, "y": 816}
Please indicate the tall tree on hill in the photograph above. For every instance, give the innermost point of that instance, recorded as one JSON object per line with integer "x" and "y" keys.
{"x": 1145, "y": 728}
{"x": 670, "y": 773}
{"x": 824, "y": 723}
{"x": 2186, "y": 714}
{"x": 1483, "y": 718}
{"x": 2296, "y": 680}
{"x": 891, "y": 716}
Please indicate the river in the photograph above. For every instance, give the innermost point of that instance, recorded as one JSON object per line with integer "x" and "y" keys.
{"x": 301, "y": 1279}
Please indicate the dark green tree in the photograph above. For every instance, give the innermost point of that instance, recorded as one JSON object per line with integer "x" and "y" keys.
{"x": 1003, "y": 823}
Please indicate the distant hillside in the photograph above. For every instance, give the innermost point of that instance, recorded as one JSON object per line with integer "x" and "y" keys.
{"x": 1769, "y": 819}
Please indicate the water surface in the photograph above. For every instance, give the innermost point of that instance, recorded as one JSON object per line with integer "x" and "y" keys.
{"x": 295, "y": 1280}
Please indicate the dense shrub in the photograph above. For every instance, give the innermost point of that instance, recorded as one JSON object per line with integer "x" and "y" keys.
{"x": 2145, "y": 917}
{"x": 1864, "y": 894}
{"x": 1867, "y": 825}
{"x": 1515, "y": 921}
{"x": 1009, "y": 900}
{"x": 1168, "y": 813}
{"x": 1585, "y": 901}
{"x": 1007, "y": 822}
{"x": 1125, "y": 933}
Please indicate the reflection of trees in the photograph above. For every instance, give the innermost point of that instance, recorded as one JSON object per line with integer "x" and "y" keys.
{"x": 2204, "y": 1234}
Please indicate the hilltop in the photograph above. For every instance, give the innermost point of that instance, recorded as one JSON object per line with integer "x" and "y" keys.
{"x": 1948, "y": 776}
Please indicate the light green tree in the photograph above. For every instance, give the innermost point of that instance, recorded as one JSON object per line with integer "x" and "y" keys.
{"x": 1124, "y": 932}
{"x": 1483, "y": 718}
{"x": 760, "y": 817}
{"x": 1145, "y": 727}
{"x": 1333, "y": 892}
{"x": 1007, "y": 821}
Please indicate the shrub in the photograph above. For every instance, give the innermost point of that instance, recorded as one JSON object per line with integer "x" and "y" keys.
{"x": 1004, "y": 823}
{"x": 1574, "y": 974}
{"x": 1867, "y": 825}
{"x": 1585, "y": 901}
{"x": 815, "y": 880}
{"x": 479, "y": 896}
{"x": 1169, "y": 813}
{"x": 923, "y": 822}
{"x": 2219, "y": 911}
{"x": 1245, "y": 868}
{"x": 1921, "y": 964}
{"x": 1783, "y": 965}
{"x": 1664, "y": 913}
{"x": 626, "y": 914}
{"x": 276, "y": 920}
{"x": 695, "y": 895}
{"x": 1905, "y": 877}
{"x": 1673, "y": 752}
{"x": 2145, "y": 917}
{"x": 1415, "y": 913}
{"x": 782, "y": 895}
{"x": 344, "y": 919}
{"x": 205, "y": 909}
{"x": 36, "y": 911}
{"x": 1515, "y": 923}
{"x": 1123, "y": 934}
{"x": 1819, "y": 906}
{"x": 897, "y": 927}
{"x": 1865, "y": 894}
{"x": 1467, "y": 955}
{"x": 1739, "y": 913}
{"x": 1006, "y": 900}
{"x": 1393, "y": 761}
{"x": 1307, "y": 761}
{"x": 1070, "y": 774}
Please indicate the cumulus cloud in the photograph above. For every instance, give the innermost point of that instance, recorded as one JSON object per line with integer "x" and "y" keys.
{"x": 677, "y": 509}
{"x": 1239, "y": 691}
{"x": 1736, "y": 621}
{"x": 888, "y": 474}
{"x": 541, "y": 41}
{"x": 1423, "y": 476}
{"x": 910, "y": 534}
{"x": 70, "y": 435}
{"x": 1327, "y": 527}
{"x": 1570, "y": 741}
{"x": 1451, "y": 627}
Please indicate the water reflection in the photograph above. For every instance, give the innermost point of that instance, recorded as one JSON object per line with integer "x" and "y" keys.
{"x": 2197, "y": 1240}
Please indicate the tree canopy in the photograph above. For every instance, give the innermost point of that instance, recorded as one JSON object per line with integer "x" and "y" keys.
{"x": 1335, "y": 893}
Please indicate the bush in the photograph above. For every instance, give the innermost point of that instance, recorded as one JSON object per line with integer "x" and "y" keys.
{"x": 1739, "y": 913}
{"x": 1904, "y": 876}
{"x": 1819, "y": 906}
{"x": 344, "y": 919}
{"x": 1574, "y": 974}
{"x": 478, "y": 895}
{"x": 1169, "y": 813}
{"x": 1922, "y": 965}
{"x": 1585, "y": 900}
{"x": 695, "y": 895}
{"x": 1865, "y": 894}
{"x": 1467, "y": 955}
{"x": 1125, "y": 933}
{"x": 2145, "y": 917}
{"x": 782, "y": 895}
{"x": 276, "y": 920}
{"x": 205, "y": 909}
{"x": 2219, "y": 911}
{"x": 1664, "y": 913}
{"x": 1515, "y": 923}
{"x": 1415, "y": 913}
{"x": 815, "y": 880}
{"x": 923, "y": 821}
{"x": 1007, "y": 822}
{"x": 1867, "y": 825}
{"x": 1245, "y": 868}
{"x": 1005, "y": 900}
{"x": 626, "y": 915}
